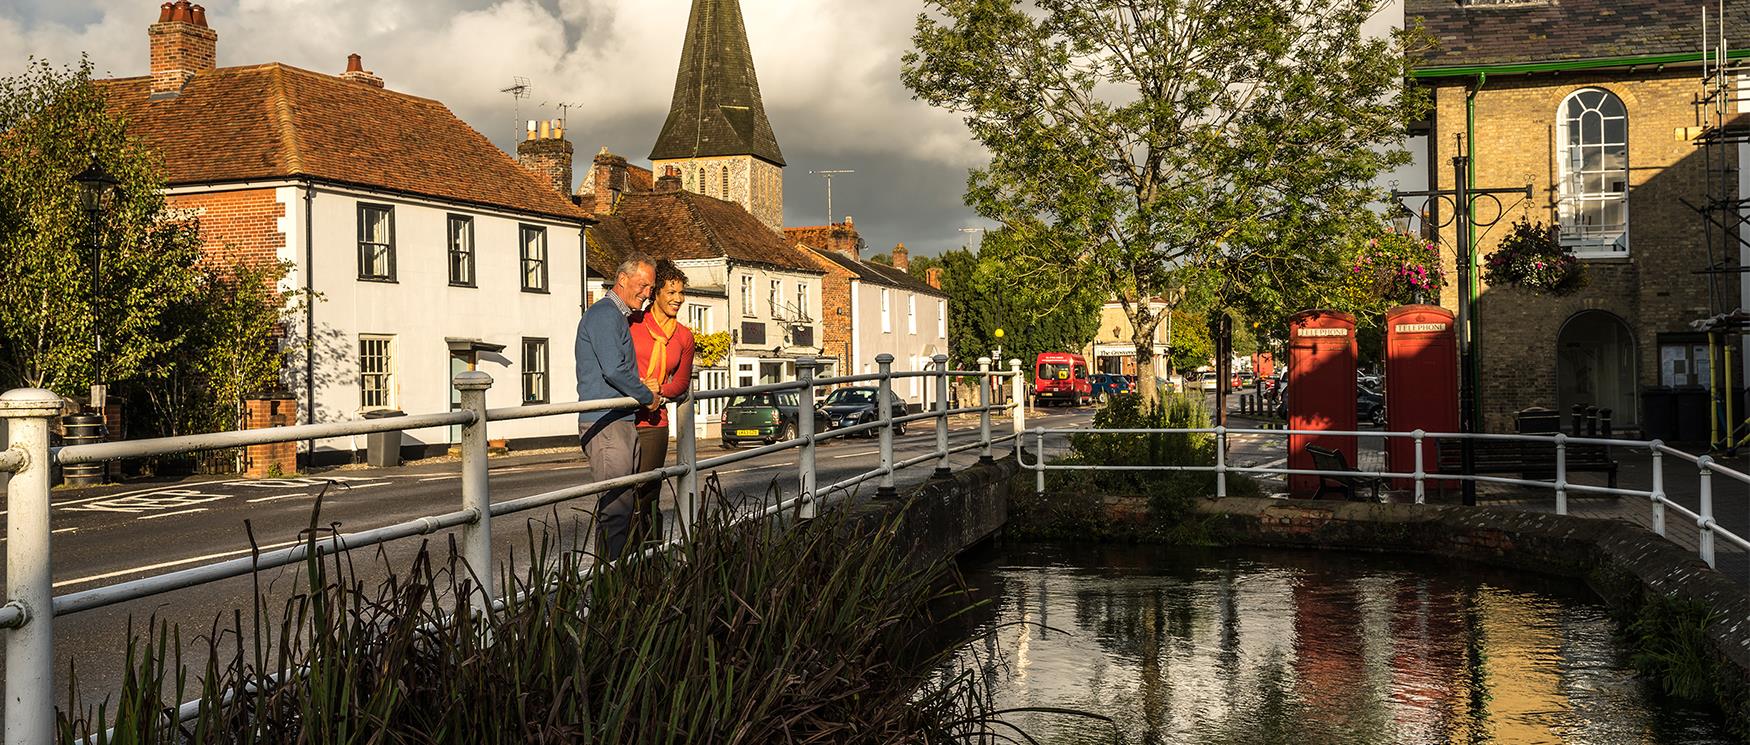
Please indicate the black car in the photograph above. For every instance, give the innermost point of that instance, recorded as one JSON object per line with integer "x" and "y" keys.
{"x": 765, "y": 418}
{"x": 848, "y": 407}
{"x": 1369, "y": 406}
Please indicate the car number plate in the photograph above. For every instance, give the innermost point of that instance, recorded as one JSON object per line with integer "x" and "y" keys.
{"x": 747, "y": 433}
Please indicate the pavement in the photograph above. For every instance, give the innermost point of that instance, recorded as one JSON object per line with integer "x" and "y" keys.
{"x": 112, "y": 534}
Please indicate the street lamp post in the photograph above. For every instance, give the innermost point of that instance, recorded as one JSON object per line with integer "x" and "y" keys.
{"x": 97, "y": 192}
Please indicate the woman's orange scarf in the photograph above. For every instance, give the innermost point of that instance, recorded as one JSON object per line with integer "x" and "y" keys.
{"x": 657, "y": 372}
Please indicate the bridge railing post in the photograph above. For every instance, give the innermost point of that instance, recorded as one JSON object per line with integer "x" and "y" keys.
{"x": 985, "y": 381}
{"x": 1039, "y": 462}
{"x": 476, "y": 492}
{"x": 686, "y": 446}
{"x": 805, "y": 429}
{"x": 1421, "y": 471}
{"x": 1658, "y": 495}
{"x": 30, "y": 646}
{"x": 886, "y": 489}
{"x": 1705, "y": 520}
{"x": 1018, "y": 397}
{"x": 942, "y": 470}
{"x": 1561, "y": 474}
{"x": 1220, "y": 461}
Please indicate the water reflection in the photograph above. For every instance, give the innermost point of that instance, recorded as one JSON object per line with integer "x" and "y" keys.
{"x": 1305, "y": 648}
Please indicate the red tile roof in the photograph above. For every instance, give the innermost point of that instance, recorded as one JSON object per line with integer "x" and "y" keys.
{"x": 276, "y": 121}
{"x": 682, "y": 225}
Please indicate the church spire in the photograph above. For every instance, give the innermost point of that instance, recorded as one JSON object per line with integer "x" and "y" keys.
{"x": 716, "y": 109}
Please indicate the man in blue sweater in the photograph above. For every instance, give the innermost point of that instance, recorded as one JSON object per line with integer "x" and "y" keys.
{"x": 607, "y": 367}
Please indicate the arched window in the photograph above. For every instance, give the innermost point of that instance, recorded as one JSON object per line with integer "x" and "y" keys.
{"x": 726, "y": 182}
{"x": 1592, "y": 161}
{"x": 702, "y": 184}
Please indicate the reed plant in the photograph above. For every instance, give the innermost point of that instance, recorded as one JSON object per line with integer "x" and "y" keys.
{"x": 769, "y": 631}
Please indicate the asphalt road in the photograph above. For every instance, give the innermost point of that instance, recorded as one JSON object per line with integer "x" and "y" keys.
{"x": 114, "y": 534}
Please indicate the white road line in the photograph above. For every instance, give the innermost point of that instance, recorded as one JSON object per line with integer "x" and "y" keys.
{"x": 169, "y": 487}
{"x": 439, "y": 478}
{"x": 756, "y": 468}
{"x": 168, "y": 564}
{"x": 856, "y": 455}
{"x": 367, "y": 486}
{"x": 276, "y": 496}
{"x": 171, "y": 514}
{"x": 65, "y": 530}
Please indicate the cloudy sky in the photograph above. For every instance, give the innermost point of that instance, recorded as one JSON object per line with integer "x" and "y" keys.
{"x": 829, "y": 70}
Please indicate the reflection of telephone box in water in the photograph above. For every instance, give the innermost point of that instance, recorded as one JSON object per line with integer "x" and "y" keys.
{"x": 1321, "y": 390}
{"x": 1421, "y": 384}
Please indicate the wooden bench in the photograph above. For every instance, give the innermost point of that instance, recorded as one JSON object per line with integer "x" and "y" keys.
{"x": 1325, "y": 459}
{"x": 1530, "y": 460}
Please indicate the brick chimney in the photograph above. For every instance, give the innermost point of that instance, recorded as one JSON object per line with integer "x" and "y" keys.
{"x": 901, "y": 258}
{"x": 607, "y": 180}
{"x": 356, "y": 72}
{"x": 670, "y": 181}
{"x": 933, "y": 277}
{"x": 547, "y": 154}
{"x": 182, "y": 46}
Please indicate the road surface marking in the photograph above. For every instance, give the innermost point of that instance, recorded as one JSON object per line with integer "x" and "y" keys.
{"x": 856, "y": 455}
{"x": 64, "y": 530}
{"x": 163, "y": 499}
{"x": 276, "y": 496}
{"x": 168, "y": 564}
{"x": 757, "y": 468}
{"x": 367, "y": 486}
{"x": 439, "y": 478}
{"x": 171, "y": 514}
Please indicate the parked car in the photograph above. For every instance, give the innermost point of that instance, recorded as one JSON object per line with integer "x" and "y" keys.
{"x": 765, "y": 418}
{"x": 1108, "y": 384}
{"x": 1061, "y": 377}
{"x": 847, "y": 407}
{"x": 1369, "y": 405}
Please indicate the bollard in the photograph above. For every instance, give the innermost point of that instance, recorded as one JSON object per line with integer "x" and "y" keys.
{"x": 1658, "y": 496}
{"x": 886, "y": 490}
{"x": 686, "y": 449}
{"x": 1705, "y": 520}
{"x": 942, "y": 470}
{"x": 30, "y": 648}
{"x": 805, "y": 429}
{"x": 984, "y": 383}
{"x": 1421, "y": 472}
{"x": 1018, "y": 393}
{"x": 1039, "y": 462}
{"x": 1606, "y": 423}
{"x": 476, "y": 494}
{"x": 1561, "y": 474}
{"x": 1220, "y": 461}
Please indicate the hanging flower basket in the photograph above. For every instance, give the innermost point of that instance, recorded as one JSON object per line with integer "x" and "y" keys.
{"x": 1399, "y": 268}
{"x": 1532, "y": 257}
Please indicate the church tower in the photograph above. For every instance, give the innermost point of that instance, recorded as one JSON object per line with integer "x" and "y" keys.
{"x": 717, "y": 134}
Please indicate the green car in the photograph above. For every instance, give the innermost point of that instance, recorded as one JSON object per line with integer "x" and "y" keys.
{"x": 765, "y": 418}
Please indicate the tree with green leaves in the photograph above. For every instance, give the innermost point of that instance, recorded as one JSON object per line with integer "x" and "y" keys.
{"x": 985, "y": 296}
{"x": 1199, "y": 151}
{"x": 53, "y": 123}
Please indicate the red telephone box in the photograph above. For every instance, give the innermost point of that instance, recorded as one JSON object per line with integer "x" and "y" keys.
{"x": 1321, "y": 390}
{"x": 1263, "y": 365}
{"x": 1421, "y": 383}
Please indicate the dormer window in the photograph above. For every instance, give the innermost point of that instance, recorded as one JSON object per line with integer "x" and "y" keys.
{"x": 1592, "y": 164}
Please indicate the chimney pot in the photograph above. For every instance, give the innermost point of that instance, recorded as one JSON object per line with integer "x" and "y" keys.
{"x": 199, "y": 16}
{"x": 184, "y": 12}
{"x": 848, "y": 222}
{"x": 181, "y": 47}
{"x": 355, "y": 63}
{"x": 166, "y": 12}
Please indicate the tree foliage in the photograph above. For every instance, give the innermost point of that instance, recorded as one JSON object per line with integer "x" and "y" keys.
{"x": 985, "y": 295}
{"x": 709, "y": 350}
{"x": 1138, "y": 146}
{"x": 52, "y": 123}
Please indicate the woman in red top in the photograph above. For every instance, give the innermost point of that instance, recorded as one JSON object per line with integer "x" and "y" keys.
{"x": 665, "y": 362}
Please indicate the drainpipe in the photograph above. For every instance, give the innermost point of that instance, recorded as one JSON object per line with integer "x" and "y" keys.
{"x": 309, "y": 317}
{"x": 1470, "y": 288}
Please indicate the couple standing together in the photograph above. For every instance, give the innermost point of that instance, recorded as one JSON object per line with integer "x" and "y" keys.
{"x": 627, "y": 350}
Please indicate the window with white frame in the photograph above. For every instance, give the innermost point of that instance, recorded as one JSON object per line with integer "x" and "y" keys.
{"x": 747, "y": 308}
{"x": 802, "y": 300}
{"x": 914, "y": 381}
{"x": 376, "y": 242}
{"x": 942, "y": 318}
{"x": 911, "y": 313}
{"x": 1592, "y": 146}
{"x": 534, "y": 371}
{"x": 461, "y": 230}
{"x": 775, "y": 298}
{"x": 886, "y": 317}
{"x": 699, "y": 318}
{"x": 376, "y": 372}
{"x": 534, "y": 240}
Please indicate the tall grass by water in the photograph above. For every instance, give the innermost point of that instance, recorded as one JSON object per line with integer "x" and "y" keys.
{"x": 749, "y": 633}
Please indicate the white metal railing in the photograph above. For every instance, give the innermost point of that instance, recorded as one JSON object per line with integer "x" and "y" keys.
{"x": 1709, "y": 531}
{"x": 31, "y": 607}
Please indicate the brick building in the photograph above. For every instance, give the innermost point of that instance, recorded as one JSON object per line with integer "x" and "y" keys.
{"x": 1580, "y": 99}
{"x": 429, "y": 249}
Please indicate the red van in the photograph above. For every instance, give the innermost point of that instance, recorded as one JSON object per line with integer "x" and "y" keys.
{"x": 1061, "y": 377}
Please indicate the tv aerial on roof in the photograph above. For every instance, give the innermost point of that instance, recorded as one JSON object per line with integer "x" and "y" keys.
{"x": 518, "y": 90}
